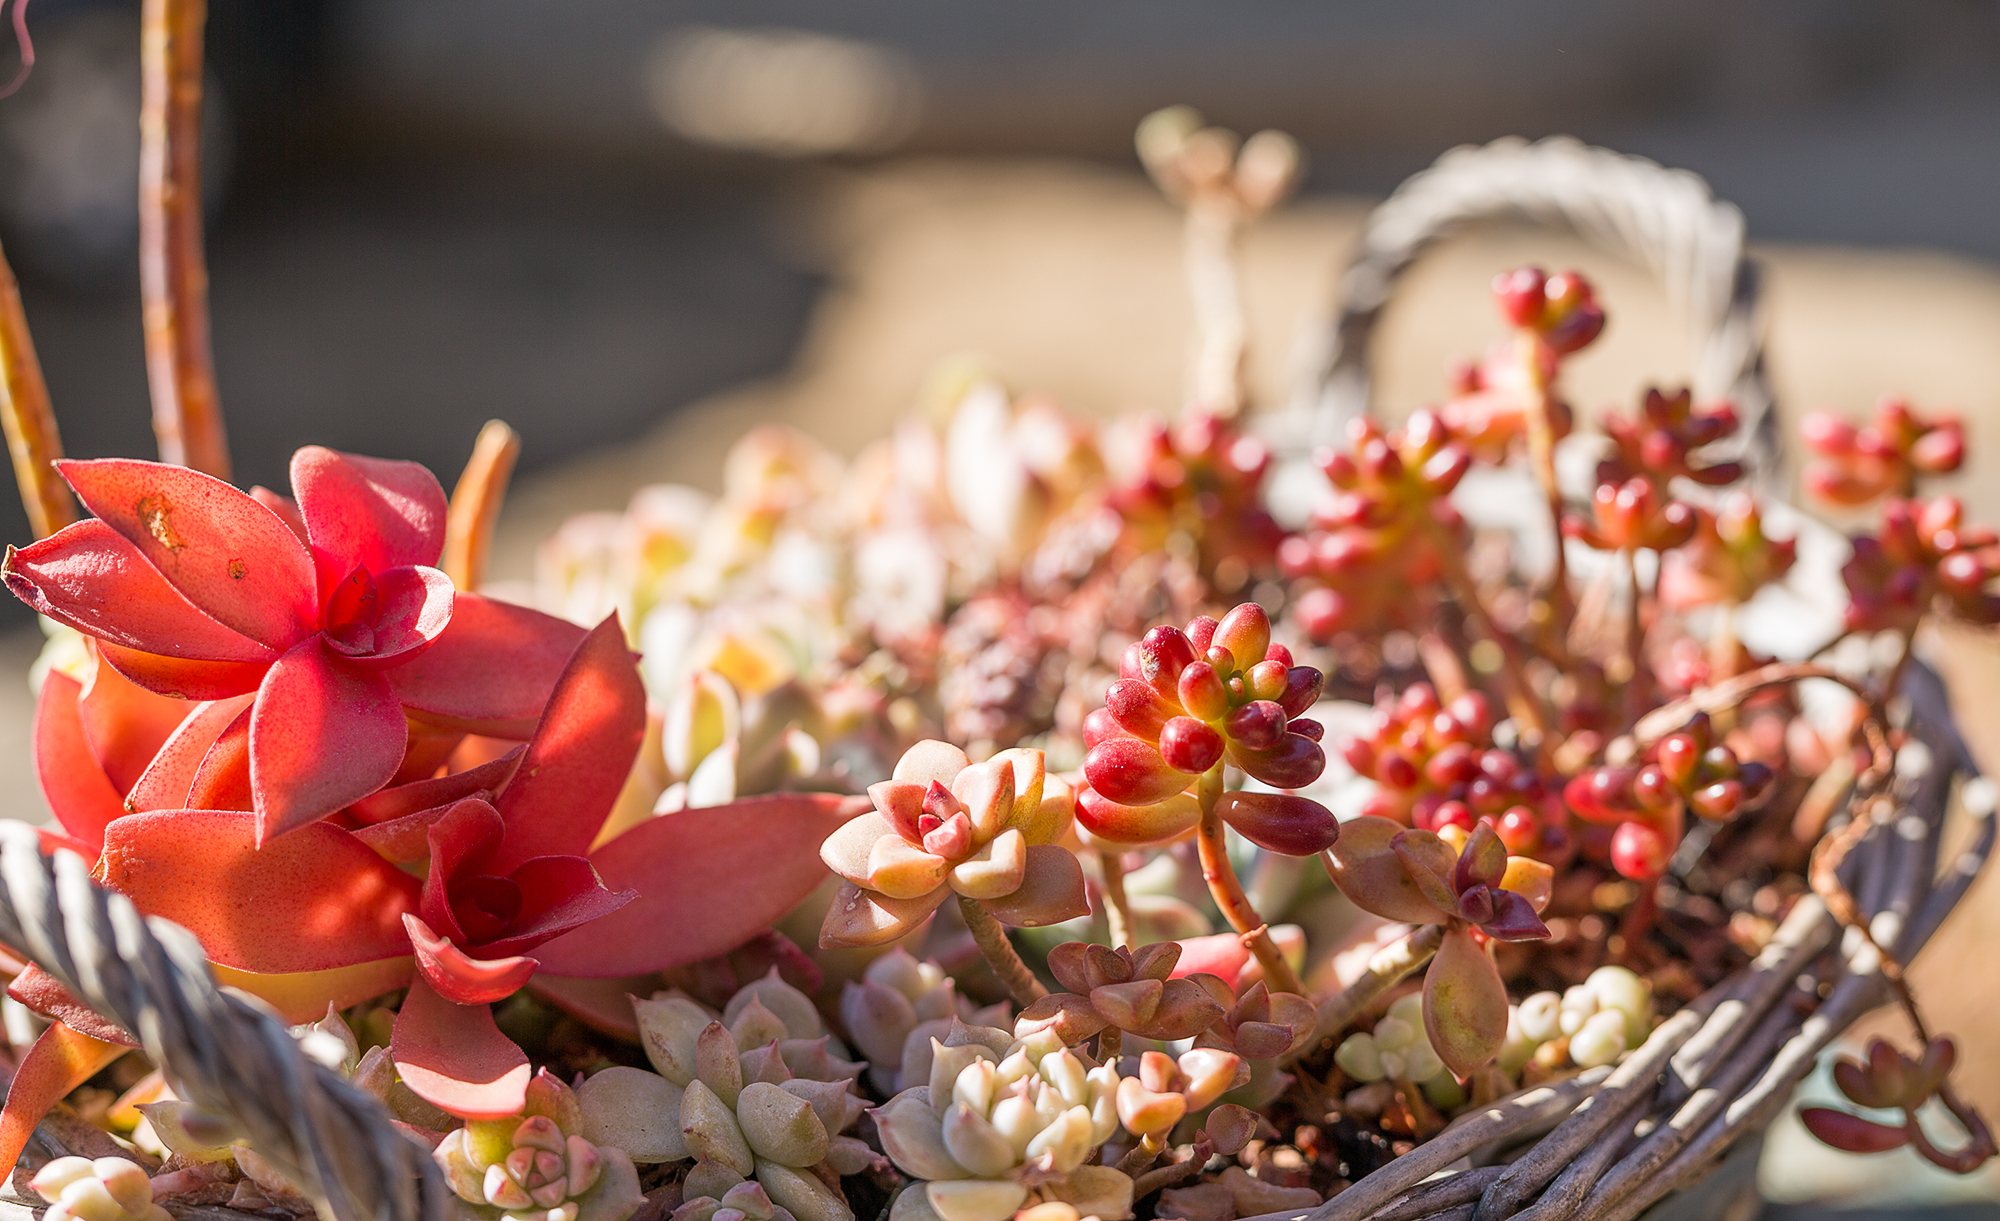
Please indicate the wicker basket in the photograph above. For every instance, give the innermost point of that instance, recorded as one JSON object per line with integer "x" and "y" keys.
{"x": 1603, "y": 1145}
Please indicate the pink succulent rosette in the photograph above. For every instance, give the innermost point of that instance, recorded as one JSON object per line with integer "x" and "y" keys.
{"x": 943, "y": 825}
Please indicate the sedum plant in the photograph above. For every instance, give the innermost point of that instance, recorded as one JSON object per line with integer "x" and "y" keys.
{"x": 96, "y": 1189}
{"x": 536, "y": 1166}
{"x": 993, "y": 1133}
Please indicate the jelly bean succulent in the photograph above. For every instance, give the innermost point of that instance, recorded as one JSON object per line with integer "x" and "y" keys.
{"x": 1399, "y": 1051}
{"x": 1473, "y": 895}
{"x": 944, "y": 826}
{"x": 1924, "y": 558}
{"x": 1594, "y": 1022}
{"x": 1885, "y": 457}
{"x": 1647, "y": 804}
{"x": 992, "y": 1133}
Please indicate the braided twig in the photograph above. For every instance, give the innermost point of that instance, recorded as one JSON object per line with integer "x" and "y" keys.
{"x": 1665, "y": 220}
{"x": 221, "y": 1052}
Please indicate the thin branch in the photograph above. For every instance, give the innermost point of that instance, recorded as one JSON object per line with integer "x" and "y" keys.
{"x": 1227, "y": 889}
{"x": 1000, "y": 954}
{"x": 173, "y": 273}
{"x": 1389, "y": 966}
{"x": 30, "y": 423}
{"x": 475, "y": 504}
{"x": 1117, "y": 909}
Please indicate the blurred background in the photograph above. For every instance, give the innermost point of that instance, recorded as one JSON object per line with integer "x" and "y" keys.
{"x": 632, "y": 228}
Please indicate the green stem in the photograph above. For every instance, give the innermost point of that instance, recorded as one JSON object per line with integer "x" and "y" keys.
{"x": 1228, "y": 890}
{"x": 1117, "y": 909}
{"x": 991, "y": 938}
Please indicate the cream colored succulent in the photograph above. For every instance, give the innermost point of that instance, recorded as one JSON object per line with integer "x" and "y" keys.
{"x": 1398, "y": 1049}
{"x": 1605, "y": 1016}
{"x": 106, "y": 1189}
{"x": 537, "y": 1166}
{"x": 897, "y": 1008}
{"x": 760, "y": 1098}
{"x": 992, "y": 1134}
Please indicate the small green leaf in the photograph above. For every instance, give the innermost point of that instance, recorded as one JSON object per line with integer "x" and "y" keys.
{"x": 1465, "y": 1005}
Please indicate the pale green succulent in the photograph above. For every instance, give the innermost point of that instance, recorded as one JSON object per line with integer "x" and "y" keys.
{"x": 761, "y": 1094}
{"x": 537, "y": 1166}
{"x": 1605, "y": 1016}
{"x": 991, "y": 1133}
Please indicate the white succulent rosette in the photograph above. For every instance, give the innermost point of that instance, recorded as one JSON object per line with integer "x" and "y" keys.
{"x": 100, "y": 1189}
{"x": 991, "y": 1134}
{"x": 537, "y": 1166}
{"x": 759, "y": 1096}
{"x": 1602, "y": 1018}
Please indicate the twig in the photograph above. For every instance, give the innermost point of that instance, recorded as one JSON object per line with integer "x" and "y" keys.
{"x": 1228, "y": 890}
{"x": 1476, "y": 1130}
{"x": 475, "y": 504}
{"x": 1449, "y": 1192}
{"x": 1389, "y": 966}
{"x": 173, "y": 274}
{"x": 30, "y": 423}
{"x": 992, "y": 941}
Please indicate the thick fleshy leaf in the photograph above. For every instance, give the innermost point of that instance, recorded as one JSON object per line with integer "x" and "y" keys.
{"x": 222, "y": 782}
{"x": 231, "y": 556}
{"x": 413, "y": 609}
{"x": 373, "y": 512}
{"x": 1136, "y": 826}
{"x": 460, "y": 978}
{"x": 1514, "y": 918}
{"x": 1851, "y": 1132}
{"x": 1465, "y": 1004}
{"x": 125, "y": 724}
{"x": 184, "y": 678}
{"x": 859, "y": 918}
{"x": 583, "y": 748}
{"x": 462, "y": 840}
{"x": 76, "y": 788}
{"x": 40, "y": 991}
{"x": 404, "y": 840}
{"x": 848, "y": 849}
{"x": 456, "y": 1059}
{"x": 1051, "y": 891}
{"x": 1280, "y": 822}
{"x": 406, "y": 799}
{"x": 558, "y": 893}
{"x": 490, "y": 671}
{"x": 1364, "y": 864}
{"x": 167, "y": 780}
{"x": 284, "y": 506}
{"x": 60, "y": 1060}
{"x": 90, "y": 577}
{"x": 316, "y": 899}
{"x": 1220, "y": 954}
{"x": 322, "y": 735}
{"x": 302, "y": 996}
{"x": 1430, "y": 862}
{"x": 715, "y": 876}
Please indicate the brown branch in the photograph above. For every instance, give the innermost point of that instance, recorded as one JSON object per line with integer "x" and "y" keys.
{"x": 1227, "y": 889}
{"x": 475, "y": 504}
{"x": 173, "y": 274}
{"x": 1389, "y": 966}
{"x": 1117, "y": 909}
{"x": 999, "y": 952}
{"x": 29, "y": 421}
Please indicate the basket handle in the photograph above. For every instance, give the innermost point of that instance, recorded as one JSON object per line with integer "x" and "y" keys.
{"x": 1667, "y": 220}
{"x": 221, "y": 1052}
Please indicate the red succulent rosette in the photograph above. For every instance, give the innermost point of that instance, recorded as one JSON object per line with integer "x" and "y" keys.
{"x": 1647, "y": 804}
{"x": 1187, "y": 702}
{"x": 1924, "y": 557}
{"x": 1854, "y": 465}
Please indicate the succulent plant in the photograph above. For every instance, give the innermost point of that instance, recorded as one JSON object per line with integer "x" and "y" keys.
{"x": 1647, "y": 804}
{"x": 1923, "y": 558}
{"x": 1417, "y": 877}
{"x": 1889, "y": 1080}
{"x": 943, "y": 825}
{"x": 759, "y": 1095}
{"x": 1602, "y": 1018}
{"x": 1884, "y": 457}
{"x": 1134, "y": 991}
{"x": 99, "y": 1189}
{"x": 1168, "y": 1089}
{"x": 1399, "y": 1050}
{"x": 992, "y": 1134}
{"x": 536, "y": 1166}
{"x": 1729, "y": 558}
{"x": 897, "y": 1007}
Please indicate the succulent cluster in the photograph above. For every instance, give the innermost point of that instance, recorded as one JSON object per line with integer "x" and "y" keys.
{"x": 536, "y": 1166}
{"x": 96, "y": 1189}
{"x": 1186, "y": 703}
{"x": 1382, "y": 537}
{"x": 1884, "y": 457}
{"x": 1647, "y": 804}
{"x": 1888, "y": 1080}
{"x": 1594, "y": 1022}
{"x": 1202, "y": 479}
{"x": 1925, "y": 557}
{"x": 897, "y": 1007}
{"x": 992, "y": 1132}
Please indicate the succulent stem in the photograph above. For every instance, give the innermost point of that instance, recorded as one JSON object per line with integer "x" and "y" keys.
{"x": 1228, "y": 890}
{"x": 475, "y": 504}
{"x": 1521, "y": 701}
{"x": 30, "y": 423}
{"x": 1390, "y": 966}
{"x": 1117, "y": 910}
{"x": 992, "y": 941}
{"x": 1215, "y": 371}
{"x": 173, "y": 274}
{"x": 1636, "y": 683}
{"x": 1542, "y": 457}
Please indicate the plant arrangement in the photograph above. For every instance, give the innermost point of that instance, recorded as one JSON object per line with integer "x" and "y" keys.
{"x": 950, "y": 833}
